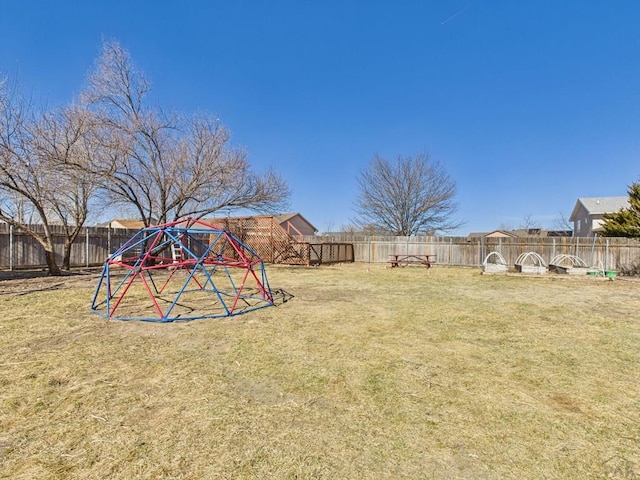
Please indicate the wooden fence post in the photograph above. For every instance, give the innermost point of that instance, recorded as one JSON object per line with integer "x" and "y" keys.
{"x": 11, "y": 248}
{"x": 86, "y": 247}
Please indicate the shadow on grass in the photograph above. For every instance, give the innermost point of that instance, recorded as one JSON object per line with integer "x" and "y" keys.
{"x": 42, "y": 273}
{"x": 281, "y": 296}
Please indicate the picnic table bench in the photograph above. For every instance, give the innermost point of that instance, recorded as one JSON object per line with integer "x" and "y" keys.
{"x": 396, "y": 259}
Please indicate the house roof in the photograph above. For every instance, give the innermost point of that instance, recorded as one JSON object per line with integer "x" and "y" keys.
{"x": 599, "y": 205}
{"x": 283, "y": 217}
{"x": 540, "y": 232}
{"x": 128, "y": 223}
{"x": 280, "y": 218}
{"x": 494, "y": 233}
{"x": 522, "y": 233}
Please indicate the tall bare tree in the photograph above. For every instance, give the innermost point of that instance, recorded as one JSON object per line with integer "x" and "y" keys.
{"x": 406, "y": 196}
{"x": 168, "y": 166}
{"x": 43, "y": 179}
{"x": 528, "y": 222}
{"x": 63, "y": 140}
{"x": 562, "y": 222}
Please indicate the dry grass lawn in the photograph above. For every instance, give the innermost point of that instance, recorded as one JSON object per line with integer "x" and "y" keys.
{"x": 368, "y": 373}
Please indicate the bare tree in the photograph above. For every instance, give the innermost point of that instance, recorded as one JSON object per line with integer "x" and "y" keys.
{"x": 168, "y": 166}
{"x": 407, "y": 196}
{"x": 23, "y": 177}
{"x": 349, "y": 228}
{"x": 505, "y": 227}
{"x": 41, "y": 179}
{"x": 561, "y": 222}
{"x": 528, "y": 222}
{"x": 63, "y": 140}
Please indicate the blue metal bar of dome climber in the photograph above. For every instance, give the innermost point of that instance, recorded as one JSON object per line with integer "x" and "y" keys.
{"x": 184, "y": 286}
{"x": 135, "y": 270}
{"x": 214, "y": 266}
{"x": 201, "y": 260}
{"x": 94, "y": 306}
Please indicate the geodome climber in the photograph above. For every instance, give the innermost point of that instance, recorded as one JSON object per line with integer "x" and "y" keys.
{"x": 183, "y": 270}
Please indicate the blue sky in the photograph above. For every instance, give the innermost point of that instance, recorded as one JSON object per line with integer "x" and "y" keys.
{"x": 528, "y": 104}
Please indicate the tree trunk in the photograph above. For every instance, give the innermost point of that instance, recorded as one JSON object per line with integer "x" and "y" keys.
{"x": 51, "y": 262}
{"x": 66, "y": 256}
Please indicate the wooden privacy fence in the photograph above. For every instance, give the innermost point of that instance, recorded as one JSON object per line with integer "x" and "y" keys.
{"x": 608, "y": 253}
{"x": 95, "y": 244}
{"x": 91, "y": 248}
{"x": 326, "y": 253}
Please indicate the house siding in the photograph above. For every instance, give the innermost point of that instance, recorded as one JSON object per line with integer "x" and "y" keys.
{"x": 588, "y": 212}
{"x": 581, "y": 222}
{"x": 296, "y": 226}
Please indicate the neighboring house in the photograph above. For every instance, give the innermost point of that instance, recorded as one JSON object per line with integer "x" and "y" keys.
{"x": 540, "y": 232}
{"x": 587, "y": 214}
{"x": 494, "y": 234}
{"x": 295, "y": 224}
{"x": 122, "y": 223}
{"x": 522, "y": 233}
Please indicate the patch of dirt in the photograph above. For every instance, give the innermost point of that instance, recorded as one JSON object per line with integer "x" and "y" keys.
{"x": 564, "y": 403}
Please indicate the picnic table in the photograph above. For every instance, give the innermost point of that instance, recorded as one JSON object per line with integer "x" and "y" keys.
{"x": 397, "y": 259}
